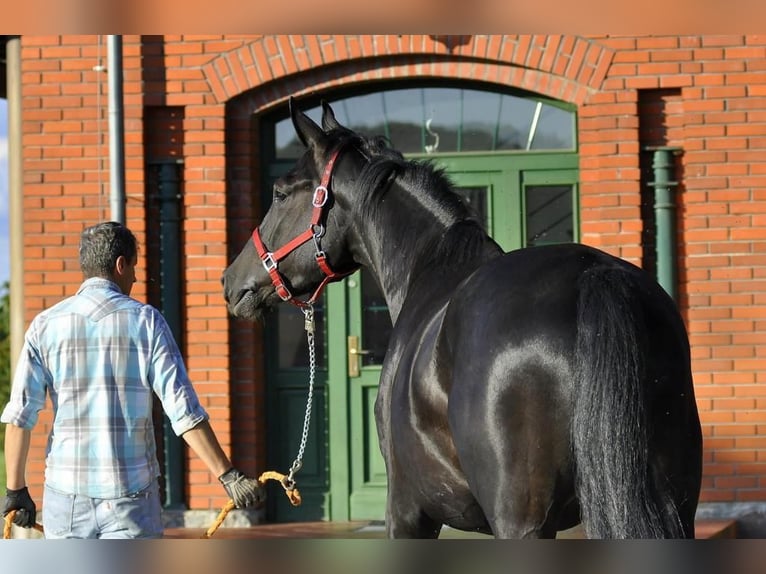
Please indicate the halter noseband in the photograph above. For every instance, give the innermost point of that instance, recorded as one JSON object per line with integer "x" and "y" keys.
{"x": 315, "y": 231}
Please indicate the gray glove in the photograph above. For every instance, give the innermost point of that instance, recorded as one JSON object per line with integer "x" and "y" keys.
{"x": 242, "y": 490}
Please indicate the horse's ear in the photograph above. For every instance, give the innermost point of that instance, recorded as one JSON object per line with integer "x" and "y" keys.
{"x": 308, "y": 131}
{"x": 328, "y": 118}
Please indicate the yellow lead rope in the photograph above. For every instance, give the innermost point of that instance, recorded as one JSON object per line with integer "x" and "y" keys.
{"x": 219, "y": 520}
{"x": 9, "y": 523}
{"x": 290, "y": 490}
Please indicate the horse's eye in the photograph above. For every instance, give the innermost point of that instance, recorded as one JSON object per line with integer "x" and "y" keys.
{"x": 279, "y": 196}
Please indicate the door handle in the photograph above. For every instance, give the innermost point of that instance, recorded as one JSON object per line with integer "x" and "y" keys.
{"x": 353, "y": 355}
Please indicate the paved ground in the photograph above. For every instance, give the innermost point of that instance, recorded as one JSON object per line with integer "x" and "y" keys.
{"x": 705, "y": 529}
{"x": 363, "y": 530}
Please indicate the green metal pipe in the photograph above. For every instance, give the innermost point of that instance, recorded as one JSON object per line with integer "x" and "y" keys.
{"x": 170, "y": 303}
{"x": 663, "y": 166}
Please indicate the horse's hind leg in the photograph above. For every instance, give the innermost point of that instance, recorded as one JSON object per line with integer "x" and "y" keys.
{"x": 516, "y": 489}
{"x": 516, "y": 461}
{"x": 405, "y": 518}
{"x": 420, "y": 526}
{"x": 516, "y": 520}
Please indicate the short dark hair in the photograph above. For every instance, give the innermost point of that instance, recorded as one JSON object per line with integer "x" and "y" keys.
{"x": 102, "y": 244}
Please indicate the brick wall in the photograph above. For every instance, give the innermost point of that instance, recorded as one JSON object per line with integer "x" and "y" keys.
{"x": 719, "y": 121}
{"x": 65, "y": 163}
{"x": 704, "y": 94}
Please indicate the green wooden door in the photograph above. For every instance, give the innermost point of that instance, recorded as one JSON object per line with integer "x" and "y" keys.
{"x": 524, "y": 199}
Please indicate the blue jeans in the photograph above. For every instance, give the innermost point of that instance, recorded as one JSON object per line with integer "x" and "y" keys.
{"x": 137, "y": 515}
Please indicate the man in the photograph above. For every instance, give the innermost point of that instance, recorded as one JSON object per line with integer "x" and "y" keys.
{"x": 101, "y": 355}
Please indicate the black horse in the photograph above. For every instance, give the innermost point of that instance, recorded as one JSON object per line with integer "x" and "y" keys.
{"x": 522, "y": 392}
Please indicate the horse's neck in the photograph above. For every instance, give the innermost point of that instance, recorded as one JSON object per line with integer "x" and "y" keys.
{"x": 405, "y": 251}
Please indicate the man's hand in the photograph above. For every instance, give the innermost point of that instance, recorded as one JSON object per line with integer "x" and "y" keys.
{"x": 242, "y": 490}
{"x": 20, "y": 501}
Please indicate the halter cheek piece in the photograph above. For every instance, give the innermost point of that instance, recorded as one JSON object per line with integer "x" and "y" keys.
{"x": 314, "y": 232}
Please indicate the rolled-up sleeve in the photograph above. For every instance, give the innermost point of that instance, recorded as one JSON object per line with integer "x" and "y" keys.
{"x": 29, "y": 385}
{"x": 170, "y": 380}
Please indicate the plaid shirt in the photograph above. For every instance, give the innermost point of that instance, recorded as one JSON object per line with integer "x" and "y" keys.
{"x": 100, "y": 354}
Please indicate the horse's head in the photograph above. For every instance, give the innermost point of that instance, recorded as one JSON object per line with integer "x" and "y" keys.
{"x": 300, "y": 244}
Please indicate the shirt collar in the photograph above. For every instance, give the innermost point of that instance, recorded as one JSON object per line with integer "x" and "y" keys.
{"x": 99, "y": 283}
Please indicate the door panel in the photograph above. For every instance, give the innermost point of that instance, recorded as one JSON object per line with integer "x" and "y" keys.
{"x": 551, "y": 213}
{"x": 312, "y": 479}
{"x": 370, "y": 323}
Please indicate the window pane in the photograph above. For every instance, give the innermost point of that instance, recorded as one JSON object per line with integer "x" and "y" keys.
{"x": 443, "y": 109}
{"x": 446, "y": 120}
{"x": 548, "y": 211}
{"x": 354, "y": 112}
{"x": 480, "y": 120}
{"x": 555, "y": 129}
{"x": 476, "y": 199}
{"x": 402, "y": 116}
{"x": 515, "y": 121}
{"x": 376, "y": 321}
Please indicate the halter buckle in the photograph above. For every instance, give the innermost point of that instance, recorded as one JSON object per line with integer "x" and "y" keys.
{"x": 269, "y": 263}
{"x": 320, "y": 196}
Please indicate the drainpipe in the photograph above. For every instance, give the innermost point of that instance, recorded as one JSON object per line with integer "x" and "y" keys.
{"x": 664, "y": 167}
{"x": 15, "y": 197}
{"x": 116, "y": 130}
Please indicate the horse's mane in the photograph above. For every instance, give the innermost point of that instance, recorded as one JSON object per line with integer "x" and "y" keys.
{"x": 462, "y": 238}
{"x": 421, "y": 177}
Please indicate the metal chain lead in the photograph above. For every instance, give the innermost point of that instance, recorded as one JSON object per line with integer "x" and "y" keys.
{"x": 309, "y": 326}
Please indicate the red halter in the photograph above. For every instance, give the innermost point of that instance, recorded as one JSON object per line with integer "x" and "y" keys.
{"x": 315, "y": 231}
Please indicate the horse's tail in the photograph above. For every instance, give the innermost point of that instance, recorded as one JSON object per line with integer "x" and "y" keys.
{"x": 615, "y": 486}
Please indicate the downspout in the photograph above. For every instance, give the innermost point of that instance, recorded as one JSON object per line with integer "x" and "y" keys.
{"x": 170, "y": 249}
{"x": 15, "y": 197}
{"x": 116, "y": 130}
{"x": 664, "y": 185}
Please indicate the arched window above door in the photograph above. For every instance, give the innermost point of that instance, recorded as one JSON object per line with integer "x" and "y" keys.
{"x": 443, "y": 119}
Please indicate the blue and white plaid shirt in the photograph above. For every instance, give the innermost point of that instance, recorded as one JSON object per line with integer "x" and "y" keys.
{"x": 100, "y": 354}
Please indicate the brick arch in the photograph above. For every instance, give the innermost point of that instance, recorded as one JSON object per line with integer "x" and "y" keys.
{"x": 265, "y": 72}
{"x": 566, "y": 68}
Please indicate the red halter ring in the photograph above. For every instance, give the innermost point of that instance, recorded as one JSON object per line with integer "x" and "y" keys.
{"x": 315, "y": 231}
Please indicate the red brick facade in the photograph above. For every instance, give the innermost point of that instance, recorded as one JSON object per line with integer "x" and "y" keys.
{"x": 192, "y": 98}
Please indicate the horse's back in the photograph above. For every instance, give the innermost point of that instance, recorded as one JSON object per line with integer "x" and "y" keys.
{"x": 536, "y": 290}
{"x": 523, "y": 296}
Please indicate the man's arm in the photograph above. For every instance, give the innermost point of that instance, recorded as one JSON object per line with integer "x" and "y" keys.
{"x": 171, "y": 383}
{"x": 242, "y": 490}
{"x": 205, "y": 445}
{"x": 16, "y": 452}
{"x": 16, "y": 493}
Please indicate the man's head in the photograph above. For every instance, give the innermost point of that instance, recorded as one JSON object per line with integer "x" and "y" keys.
{"x": 109, "y": 250}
